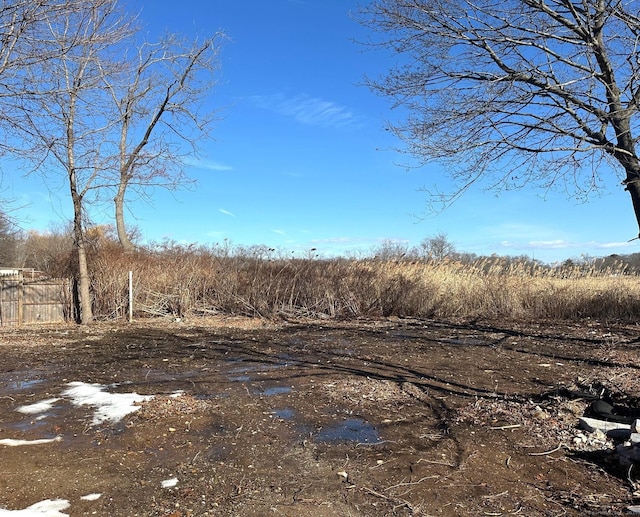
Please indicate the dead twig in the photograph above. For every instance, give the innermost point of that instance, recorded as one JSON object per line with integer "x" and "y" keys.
{"x": 545, "y": 453}
{"x": 409, "y": 483}
{"x": 433, "y": 462}
{"x": 496, "y": 496}
{"x": 632, "y": 483}
{"x": 399, "y": 502}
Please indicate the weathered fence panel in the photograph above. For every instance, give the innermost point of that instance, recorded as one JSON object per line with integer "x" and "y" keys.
{"x": 27, "y": 299}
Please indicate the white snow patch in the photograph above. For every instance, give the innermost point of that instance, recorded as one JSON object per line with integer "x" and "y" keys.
{"x": 91, "y": 497}
{"x": 169, "y": 483}
{"x": 176, "y": 394}
{"x": 110, "y": 407}
{"x": 46, "y": 508}
{"x": 38, "y": 407}
{"x": 10, "y": 442}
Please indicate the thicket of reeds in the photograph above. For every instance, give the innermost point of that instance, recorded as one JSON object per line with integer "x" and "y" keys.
{"x": 190, "y": 281}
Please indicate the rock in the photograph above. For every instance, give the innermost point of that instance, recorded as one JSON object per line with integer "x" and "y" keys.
{"x": 591, "y": 424}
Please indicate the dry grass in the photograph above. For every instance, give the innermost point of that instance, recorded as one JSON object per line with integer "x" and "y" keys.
{"x": 188, "y": 281}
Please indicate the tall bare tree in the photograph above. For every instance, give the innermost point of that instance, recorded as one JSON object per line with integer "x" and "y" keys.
{"x": 63, "y": 117}
{"x": 162, "y": 116}
{"x": 23, "y": 43}
{"x": 519, "y": 91}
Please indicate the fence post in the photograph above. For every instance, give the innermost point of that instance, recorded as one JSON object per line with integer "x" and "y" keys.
{"x": 130, "y": 296}
{"x": 20, "y": 298}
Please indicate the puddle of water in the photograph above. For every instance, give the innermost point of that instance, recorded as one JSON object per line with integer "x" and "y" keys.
{"x": 240, "y": 378}
{"x": 240, "y": 366}
{"x": 284, "y": 414}
{"x": 23, "y": 384}
{"x": 465, "y": 342}
{"x": 34, "y": 423}
{"x": 276, "y": 390}
{"x": 352, "y": 430}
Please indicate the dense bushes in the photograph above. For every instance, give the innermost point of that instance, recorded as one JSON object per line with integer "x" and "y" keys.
{"x": 185, "y": 281}
{"x": 176, "y": 280}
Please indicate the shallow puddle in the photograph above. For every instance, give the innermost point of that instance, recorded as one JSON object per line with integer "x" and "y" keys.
{"x": 276, "y": 390}
{"x": 351, "y": 430}
{"x": 284, "y": 414}
{"x": 23, "y": 384}
{"x": 240, "y": 378}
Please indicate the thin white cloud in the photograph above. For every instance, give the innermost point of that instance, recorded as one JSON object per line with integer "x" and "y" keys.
{"x": 209, "y": 165}
{"x": 606, "y": 245}
{"x": 225, "y": 212}
{"x": 347, "y": 240}
{"x": 549, "y": 245}
{"x": 335, "y": 240}
{"x": 562, "y": 244}
{"x": 307, "y": 110}
{"x": 279, "y": 232}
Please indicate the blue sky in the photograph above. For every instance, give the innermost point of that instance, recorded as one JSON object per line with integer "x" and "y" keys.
{"x": 301, "y": 158}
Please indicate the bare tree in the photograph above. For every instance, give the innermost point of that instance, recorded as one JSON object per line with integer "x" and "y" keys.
{"x": 63, "y": 118}
{"x": 22, "y": 44}
{"x": 10, "y": 242}
{"x": 390, "y": 249}
{"x": 437, "y": 247}
{"x": 162, "y": 116}
{"x": 517, "y": 91}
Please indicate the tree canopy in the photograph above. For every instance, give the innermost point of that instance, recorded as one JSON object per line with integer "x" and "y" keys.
{"x": 517, "y": 91}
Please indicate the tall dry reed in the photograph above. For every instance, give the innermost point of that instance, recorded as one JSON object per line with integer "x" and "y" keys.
{"x": 189, "y": 280}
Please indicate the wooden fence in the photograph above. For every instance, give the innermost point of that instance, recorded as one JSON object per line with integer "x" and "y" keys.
{"x": 27, "y": 297}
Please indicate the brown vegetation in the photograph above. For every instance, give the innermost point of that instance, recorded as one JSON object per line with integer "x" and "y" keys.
{"x": 175, "y": 280}
{"x": 184, "y": 281}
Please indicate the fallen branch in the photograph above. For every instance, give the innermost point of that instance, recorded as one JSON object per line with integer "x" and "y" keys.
{"x": 545, "y": 453}
{"x": 399, "y": 503}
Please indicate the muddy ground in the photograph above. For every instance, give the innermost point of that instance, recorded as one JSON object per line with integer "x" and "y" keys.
{"x": 366, "y": 418}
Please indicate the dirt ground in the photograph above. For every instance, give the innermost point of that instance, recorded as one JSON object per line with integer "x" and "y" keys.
{"x": 317, "y": 418}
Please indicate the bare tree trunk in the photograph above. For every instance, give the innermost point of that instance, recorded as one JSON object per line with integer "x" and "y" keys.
{"x": 121, "y": 228}
{"x": 84, "y": 289}
{"x": 84, "y": 281}
{"x": 632, "y": 185}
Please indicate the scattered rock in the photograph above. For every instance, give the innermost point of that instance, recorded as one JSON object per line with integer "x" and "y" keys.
{"x": 593, "y": 424}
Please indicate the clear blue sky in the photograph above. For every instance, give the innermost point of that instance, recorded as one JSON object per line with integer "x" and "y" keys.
{"x": 301, "y": 159}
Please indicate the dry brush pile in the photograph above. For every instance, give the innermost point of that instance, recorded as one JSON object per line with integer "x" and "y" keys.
{"x": 184, "y": 281}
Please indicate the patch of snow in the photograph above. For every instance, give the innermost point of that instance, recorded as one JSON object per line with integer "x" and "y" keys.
{"x": 169, "y": 483}
{"x": 91, "y": 497}
{"x": 110, "y": 407}
{"x": 9, "y": 442}
{"x": 46, "y": 508}
{"x": 38, "y": 407}
{"x": 176, "y": 394}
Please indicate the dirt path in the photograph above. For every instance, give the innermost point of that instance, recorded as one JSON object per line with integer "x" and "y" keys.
{"x": 364, "y": 418}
